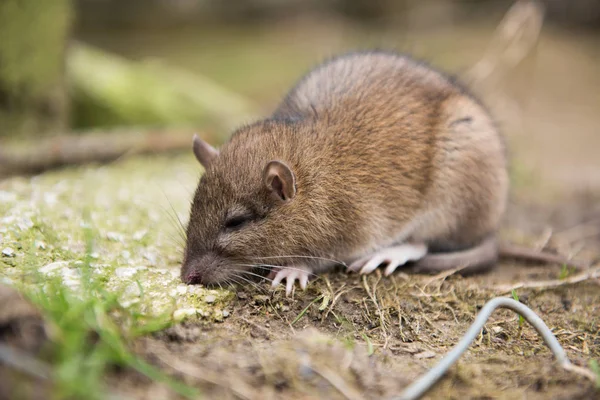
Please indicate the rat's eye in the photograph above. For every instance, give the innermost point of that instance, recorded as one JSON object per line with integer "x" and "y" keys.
{"x": 237, "y": 221}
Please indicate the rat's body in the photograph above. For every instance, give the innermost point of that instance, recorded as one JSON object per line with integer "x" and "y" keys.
{"x": 377, "y": 159}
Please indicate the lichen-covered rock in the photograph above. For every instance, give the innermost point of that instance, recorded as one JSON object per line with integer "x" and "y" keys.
{"x": 115, "y": 224}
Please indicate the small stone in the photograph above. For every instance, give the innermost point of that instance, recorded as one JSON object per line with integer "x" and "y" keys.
{"x": 198, "y": 290}
{"x": 39, "y": 245}
{"x": 151, "y": 257}
{"x": 25, "y": 224}
{"x": 52, "y": 267}
{"x": 497, "y": 329}
{"x": 425, "y": 354}
{"x": 128, "y": 303}
{"x": 125, "y": 272}
{"x": 8, "y": 252}
{"x": 7, "y": 197}
{"x": 181, "y": 289}
{"x": 51, "y": 198}
{"x": 182, "y": 313}
{"x": 133, "y": 290}
{"x": 210, "y": 299}
{"x": 225, "y": 313}
{"x": 6, "y": 281}
{"x": 139, "y": 235}
{"x": 114, "y": 236}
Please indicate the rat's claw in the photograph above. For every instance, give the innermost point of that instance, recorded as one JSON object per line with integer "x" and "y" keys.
{"x": 303, "y": 280}
{"x": 290, "y": 275}
{"x": 273, "y": 273}
{"x": 392, "y": 256}
{"x": 279, "y": 276}
{"x": 372, "y": 265}
{"x": 289, "y": 282}
{"x": 356, "y": 265}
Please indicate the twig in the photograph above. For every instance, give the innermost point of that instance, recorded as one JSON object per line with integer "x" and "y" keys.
{"x": 257, "y": 326}
{"x": 23, "y": 362}
{"x": 27, "y": 157}
{"x": 337, "y": 382}
{"x": 509, "y": 250}
{"x": 442, "y": 276}
{"x": 592, "y": 273}
{"x": 515, "y": 37}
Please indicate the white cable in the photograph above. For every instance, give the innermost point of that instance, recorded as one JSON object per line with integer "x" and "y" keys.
{"x": 426, "y": 381}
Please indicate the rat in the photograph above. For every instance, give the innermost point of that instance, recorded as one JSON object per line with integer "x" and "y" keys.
{"x": 372, "y": 159}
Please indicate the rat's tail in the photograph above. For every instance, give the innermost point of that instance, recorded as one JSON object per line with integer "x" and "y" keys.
{"x": 485, "y": 255}
{"x": 475, "y": 259}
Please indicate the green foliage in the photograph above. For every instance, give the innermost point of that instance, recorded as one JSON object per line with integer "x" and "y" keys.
{"x": 565, "y": 272}
{"x": 306, "y": 308}
{"x": 516, "y": 297}
{"x": 595, "y": 367}
{"x": 90, "y": 333}
{"x": 34, "y": 36}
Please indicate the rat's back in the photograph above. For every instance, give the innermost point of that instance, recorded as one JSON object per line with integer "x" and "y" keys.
{"x": 415, "y": 149}
{"x": 364, "y": 84}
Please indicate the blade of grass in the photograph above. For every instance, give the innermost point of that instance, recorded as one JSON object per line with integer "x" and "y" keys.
{"x": 306, "y": 309}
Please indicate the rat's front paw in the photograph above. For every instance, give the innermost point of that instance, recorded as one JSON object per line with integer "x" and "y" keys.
{"x": 393, "y": 257}
{"x": 290, "y": 274}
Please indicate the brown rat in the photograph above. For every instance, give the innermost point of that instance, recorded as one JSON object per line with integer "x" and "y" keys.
{"x": 372, "y": 158}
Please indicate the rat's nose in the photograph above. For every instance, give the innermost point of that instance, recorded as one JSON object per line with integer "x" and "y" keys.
{"x": 198, "y": 270}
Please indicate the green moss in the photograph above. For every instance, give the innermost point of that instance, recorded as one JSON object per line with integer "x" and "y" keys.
{"x": 133, "y": 209}
{"x": 34, "y": 35}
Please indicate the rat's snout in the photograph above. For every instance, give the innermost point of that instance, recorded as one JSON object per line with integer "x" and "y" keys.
{"x": 202, "y": 269}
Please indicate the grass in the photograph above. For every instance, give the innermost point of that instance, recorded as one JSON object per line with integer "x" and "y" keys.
{"x": 595, "y": 367}
{"x": 303, "y": 312}
{"x": 521, "y": 319}
{"x": 90, "y": 333}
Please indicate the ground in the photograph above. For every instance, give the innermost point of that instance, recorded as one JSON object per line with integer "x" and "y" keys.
{"x": 346, "y": 336}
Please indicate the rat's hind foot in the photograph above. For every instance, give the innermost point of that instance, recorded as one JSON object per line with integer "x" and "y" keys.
{"x": 392, "y": 256}
{"x": 290, "y": 274}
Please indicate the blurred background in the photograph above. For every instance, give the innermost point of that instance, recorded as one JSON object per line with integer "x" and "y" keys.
{"x": 107, "y": 65}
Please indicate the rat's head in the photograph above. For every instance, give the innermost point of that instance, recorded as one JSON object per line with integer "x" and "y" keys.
{"x": 241, "y": 212}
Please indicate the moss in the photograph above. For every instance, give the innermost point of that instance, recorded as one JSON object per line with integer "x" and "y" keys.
{"x": 133, "y": 210}
{"x": 32, "y": 95}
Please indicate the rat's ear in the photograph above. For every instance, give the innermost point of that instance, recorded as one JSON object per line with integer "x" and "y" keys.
{"x": 280, "y": 180}
{"x": 204, "y": 152}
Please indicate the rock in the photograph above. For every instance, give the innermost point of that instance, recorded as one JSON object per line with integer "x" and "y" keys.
{"x": 125, "y": 272}
{"x": 114, "y": 236}
{"x": 182, "y": 313}
{"x": 53, "y": 267}
{"x": 8, "y": 252}
{"x": 210, "y": 299}
{"x": 139, "y": 235}
{"x": 181, "y": 289}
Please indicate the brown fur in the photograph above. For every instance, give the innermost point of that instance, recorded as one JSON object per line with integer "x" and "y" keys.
{"x": 383, "y": 149}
